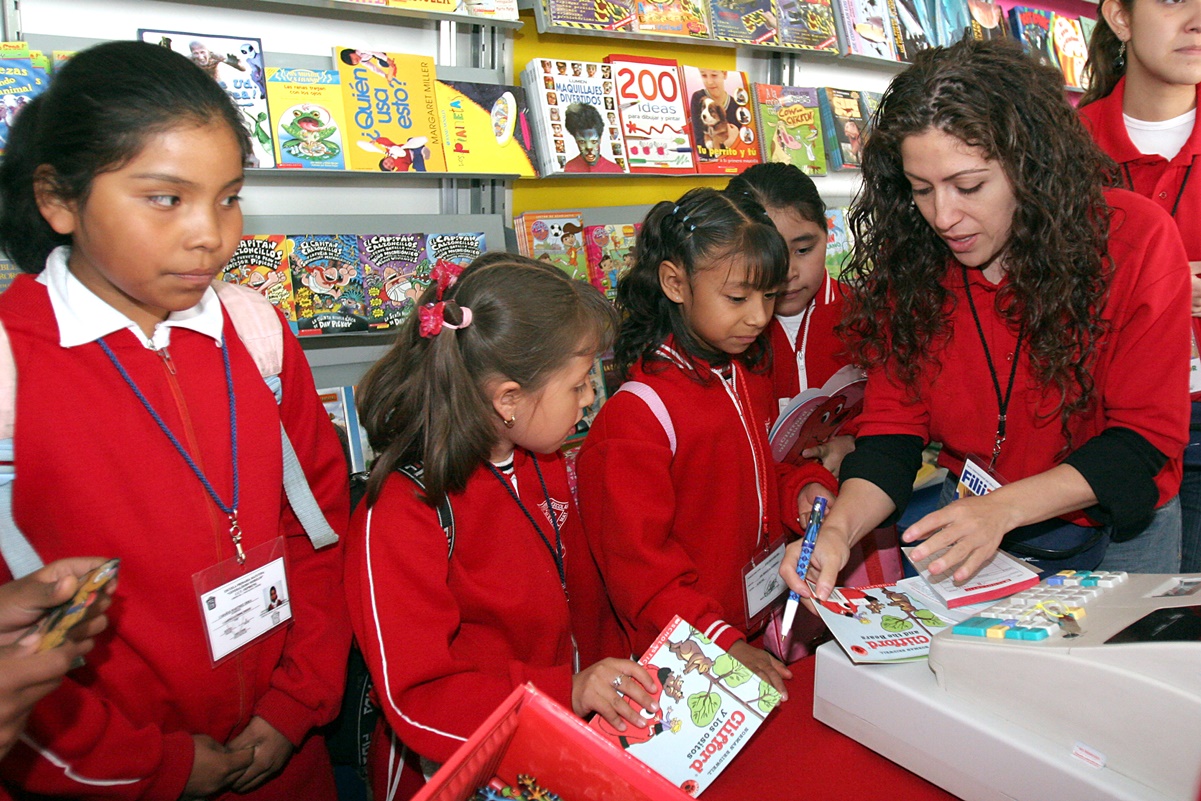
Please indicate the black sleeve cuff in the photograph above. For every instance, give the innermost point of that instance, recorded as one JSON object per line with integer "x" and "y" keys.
{"x": 890, "y": 461}
{"x": 1120, "y": 465}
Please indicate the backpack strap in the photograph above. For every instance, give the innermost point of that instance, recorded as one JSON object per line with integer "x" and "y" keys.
{"x": 446, "y": 516}
{"x": 658, "y": 409}
{"x": 261, "y": 331}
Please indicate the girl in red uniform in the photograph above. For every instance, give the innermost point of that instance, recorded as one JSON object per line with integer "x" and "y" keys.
{"x": 145, "y": 431}
{"x": 1009, "y": 306}
{"x": 483, "y": 386}
{"x": 1141, "y": 108}
{"x": 677, "y": 485}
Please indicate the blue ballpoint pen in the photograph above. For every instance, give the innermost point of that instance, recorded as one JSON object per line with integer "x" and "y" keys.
{"x": 802, "y": 565}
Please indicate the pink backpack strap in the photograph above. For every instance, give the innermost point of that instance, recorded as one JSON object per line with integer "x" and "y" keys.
{"x": 8, "y": 386}
{"x": 257, "y": 324}
{"x": 658, "y": 409}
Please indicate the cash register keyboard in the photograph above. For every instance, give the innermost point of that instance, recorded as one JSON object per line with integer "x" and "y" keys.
{"x": 1052, "y": 609}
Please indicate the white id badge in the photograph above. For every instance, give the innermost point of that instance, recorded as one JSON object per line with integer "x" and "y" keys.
{"x": 1194, "y": 368}
{"x": 762, "y": 585}
{"x": 240, "y": 603}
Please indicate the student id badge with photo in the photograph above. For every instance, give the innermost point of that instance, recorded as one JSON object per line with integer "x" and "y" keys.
{"x": 241, "y": 603}
{"x": 762, "y": 585}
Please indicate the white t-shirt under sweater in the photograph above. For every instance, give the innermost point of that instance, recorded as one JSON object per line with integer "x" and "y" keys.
{"x": 1163, "y": 138}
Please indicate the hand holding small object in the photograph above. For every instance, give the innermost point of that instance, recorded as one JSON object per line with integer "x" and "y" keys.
{"x": 802, "y": 565}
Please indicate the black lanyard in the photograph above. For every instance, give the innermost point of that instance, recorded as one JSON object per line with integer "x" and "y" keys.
{"x": 1002, "y": 401}
{"x": 556, "y": 550}
{"x": 231, "y": 509}
{"x": 1187, "y": 172}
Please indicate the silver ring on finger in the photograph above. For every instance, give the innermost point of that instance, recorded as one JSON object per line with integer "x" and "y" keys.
{"x": 617, "y": 681}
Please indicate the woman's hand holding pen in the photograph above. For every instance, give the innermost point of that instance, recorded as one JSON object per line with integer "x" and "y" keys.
{"x": 603, "y": 686}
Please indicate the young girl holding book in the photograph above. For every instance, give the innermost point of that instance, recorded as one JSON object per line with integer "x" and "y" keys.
{"x": 486, "y": 381}
{"x": 681, "y": 499}
{"x": 1141, "y": 108}
{"x": 145, "y": 431}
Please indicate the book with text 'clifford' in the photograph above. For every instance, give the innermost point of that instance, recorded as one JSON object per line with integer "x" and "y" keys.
{"x": 881, "y": 622}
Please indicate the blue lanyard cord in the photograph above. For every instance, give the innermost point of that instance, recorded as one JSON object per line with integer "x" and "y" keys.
{"x": 232, "y": 509}
{"x": 556, "y": 550}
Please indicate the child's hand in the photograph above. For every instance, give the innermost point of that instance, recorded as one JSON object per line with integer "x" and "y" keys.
{"x": 271, "y": 752}
{"x": 595, "y": 689}
{"x": 831, "y": 452}
{"x": 804, "y": 502}
{"x": 23, "y": 602}
{"x": 830, "y": 555}
{"x": 214, "y": 768}
{"x": 26, "y": 677}
{"x": 762, "y": 664}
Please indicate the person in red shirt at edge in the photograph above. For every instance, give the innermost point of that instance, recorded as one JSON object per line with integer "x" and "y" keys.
{"x": 805, "y": 350}
{"x": 674, "y": 515}
{"x": 486, "y": 381}
{"x": 1009, "y": 305}
{"x": 144, "y": 431}
{"x": 1141, "y": 108}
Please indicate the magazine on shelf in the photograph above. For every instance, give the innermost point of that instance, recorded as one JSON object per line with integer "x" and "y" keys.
{"x": 789, "y": 121}
{"x": 593, "y": 15}
{"x": 838, "y": 242}
{"x": 306, "y": 118}
{"x": 485, "y": 128}
{"x": 339, "y": 403}
{"x": 808, "y": 25}
{"x": 864, "y": 29}
{"x": 817, "y": 415}
{"x": 556, "y": 237}
{"x": 654, "y": 114}
{"x": 686, "y": 18}
{"x": 1032, "y": 28}
{"x": 1070, "y": 50}
{"x": 746, "y": 21}
{"x": 988, "y": 20}
{"x": 460, "y": 249}
{"x": 843, "y": 126}
{"x": 328, "y": 284}
{"x": 723, "y": 125}
{"x": 573, "y": 105}
{"x": 610, "y": 252}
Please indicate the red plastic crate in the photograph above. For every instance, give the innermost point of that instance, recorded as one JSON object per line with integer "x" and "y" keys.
{"x": 530, "y": 733}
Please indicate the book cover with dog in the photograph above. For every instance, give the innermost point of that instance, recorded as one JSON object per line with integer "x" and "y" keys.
{"x": 723, "y": 127}
{"x": 789, "y": 120}
{"x": 709, "y": 706}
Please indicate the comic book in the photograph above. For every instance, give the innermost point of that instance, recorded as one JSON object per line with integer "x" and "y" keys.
{"x": 327, "y": 283}
{"x": 261, "y": 262}
{"x": 236, "y": 64}
{"x": 864, "y": 29}
{"x": 789, "y": 121}
{"x": 1032, "y": 27}
{"x": 808, "y": 25}
{"x": 596, "y": 15}
{"x": 390, "y": 108}
{"x": 672, "y": 18}
{"x": 574, "y": 109}
{"x": 485, "y": 128}
{"x": 723, "y": 127}
{"x": 21, "y": 83}
{"x": 747, "y": 21}
{"x": 306, "y": 118}
{"x": 654, "y": 115}
{"x": 610, "y": 252}
{"x": 556, "y": 237}
{"x": 882, "y": 622}
{"x": 339, "y": 404}
{"x": 912, "y": 29}
{"x": 988, "y": 21}
{"x": 1070, "y": 50}
{"x": 817, "y": 415}
{"x": 460, "y": 249}
{"x": 395, "y": 272}
{"x": 709, "y": 706}
{"x": 843, "y": 127}
{"x": 838, "y": 242}
{"x": 952, "y": 21}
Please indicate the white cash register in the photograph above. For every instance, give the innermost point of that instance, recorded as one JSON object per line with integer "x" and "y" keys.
{"x": 1086, "y": 686}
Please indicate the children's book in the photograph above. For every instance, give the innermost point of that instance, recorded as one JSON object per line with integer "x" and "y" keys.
{"x": 868, "y": 103}
{"x": 988, "y": 21}
{"x": 395, "y": 272}
{"x": 709, "y": 706}
{"x": 60, "y": 57}
{"x": 881, "y": 623}
{"x": 1000, "y": 577}
{"x": 748, "y": 21}
{"x": 952, "y": 21}
{"x": 789, "y": 122}
{"x": 594, "y": 15}
{"x": 306, "y": 118}
{"x": 843, "y": 126}
{"x": 22, "y": 82}
{"x": 1087, "y": 24}
{"x": 654, "y": 114}
{"x": 672, "y": 18}
{"x": 1070, "y": 50}
{"x": 610, "y": 252}
{"x": 596, "y": 377}
{"x": 838, "y": 242}
{"x": 8, "y": 271}
{"x": 911, "y": 28}
{"x": 808, "y": 25}
{"x": 236, "y": 64}
{"x": 723, "y": 126}
{"x": 391, "y": 111}
{"x": 817, "y": 415}
{"x": 327, "y": 283}
{"x": 864, "y": 29}
{"x": 460, "y": 249}
{"x": 1032, "y": 28}
{"x": 261, "y": 262}
{"x": 340, "y": 406}
{"x": 556, "y": 237}
{"x": 574, "y": 109}
{"x": 486, "y": 128}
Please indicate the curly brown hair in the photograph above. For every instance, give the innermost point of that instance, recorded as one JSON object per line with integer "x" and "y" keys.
{"x": 991, "y": 96}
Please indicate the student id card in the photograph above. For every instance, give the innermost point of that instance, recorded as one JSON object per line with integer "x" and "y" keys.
{"x": 241, "y": 603}
{"x": 762, "y": 584}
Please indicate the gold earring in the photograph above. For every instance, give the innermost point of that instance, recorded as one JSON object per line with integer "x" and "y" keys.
{"x": 509, "y": 423}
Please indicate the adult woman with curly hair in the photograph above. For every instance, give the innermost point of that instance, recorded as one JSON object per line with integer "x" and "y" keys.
{"x": 1010, "y": 306}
